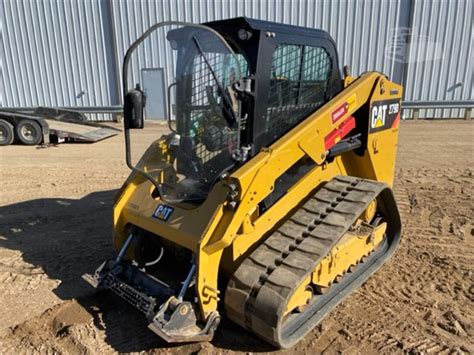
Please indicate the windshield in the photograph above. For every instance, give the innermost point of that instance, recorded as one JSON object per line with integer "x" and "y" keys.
{"x": 202, "y": 109}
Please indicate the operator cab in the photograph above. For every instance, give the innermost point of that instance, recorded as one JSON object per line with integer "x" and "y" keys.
{"x": 237, "y": 85}
{"x": 294, "y": 70}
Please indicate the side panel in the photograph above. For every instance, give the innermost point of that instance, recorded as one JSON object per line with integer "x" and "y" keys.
{"x": 376, "y": 159}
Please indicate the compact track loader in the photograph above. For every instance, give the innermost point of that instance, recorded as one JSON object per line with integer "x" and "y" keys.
{"x": 270, "y": 199}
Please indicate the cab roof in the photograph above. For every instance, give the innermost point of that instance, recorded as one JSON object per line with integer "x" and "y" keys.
{"x": 266, "y": 26}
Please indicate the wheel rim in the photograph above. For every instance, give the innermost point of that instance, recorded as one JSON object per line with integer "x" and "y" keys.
{"x": 28, "y": 132}
{"x": 3, "y": 134}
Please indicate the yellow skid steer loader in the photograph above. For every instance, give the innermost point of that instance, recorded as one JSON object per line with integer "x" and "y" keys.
{"x": 270, "y": 199}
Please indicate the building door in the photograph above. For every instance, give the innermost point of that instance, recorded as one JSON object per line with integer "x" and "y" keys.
{"x": 154, "y": 87}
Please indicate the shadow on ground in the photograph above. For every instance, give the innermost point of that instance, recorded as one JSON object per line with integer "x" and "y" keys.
{"x": 68, "y": 238}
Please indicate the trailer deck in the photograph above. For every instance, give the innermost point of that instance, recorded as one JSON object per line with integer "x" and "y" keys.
{"x": 48, "y": 125}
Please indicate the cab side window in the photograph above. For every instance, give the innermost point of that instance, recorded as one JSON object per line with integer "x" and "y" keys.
{"x": 298, "y": 85}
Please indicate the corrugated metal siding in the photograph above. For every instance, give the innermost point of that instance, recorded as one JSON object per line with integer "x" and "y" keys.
{"x": 362, "y": 30}
{"x": 131, "y": 19}
{"x": 53, "y": 54}
{"x": 69, "y": 53}
{"x": 440, "y": 54}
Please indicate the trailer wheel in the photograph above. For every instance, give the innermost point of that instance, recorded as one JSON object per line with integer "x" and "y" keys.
{"x": 28, "y": 132}
{"x": 6, "y": 133}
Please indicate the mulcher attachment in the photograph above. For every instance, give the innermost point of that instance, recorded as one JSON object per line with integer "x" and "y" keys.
{"x": 261, "y": 287}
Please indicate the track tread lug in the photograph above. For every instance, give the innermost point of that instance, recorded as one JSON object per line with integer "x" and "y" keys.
{"x": 297, "y": 261}
{"x": 263, "y": 256}
{"x": 302, "y": 218}
{"x": 316, "y": 249}
{"x": 283, "y": 278}
{"x": 290, "y": 228}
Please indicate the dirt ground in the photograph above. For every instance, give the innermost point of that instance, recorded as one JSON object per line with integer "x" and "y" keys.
{"x": 55, "y": 224}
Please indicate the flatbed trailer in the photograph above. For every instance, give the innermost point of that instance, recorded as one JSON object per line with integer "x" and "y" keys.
{"x": 49, "y": 125}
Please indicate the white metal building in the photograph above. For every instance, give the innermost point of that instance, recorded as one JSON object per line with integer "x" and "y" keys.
{"x": 66, "y": 53}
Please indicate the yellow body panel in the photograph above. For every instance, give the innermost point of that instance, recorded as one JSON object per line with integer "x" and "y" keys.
{"x": 219, "y": 233}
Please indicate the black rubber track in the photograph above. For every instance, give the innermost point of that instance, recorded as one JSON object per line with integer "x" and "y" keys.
{"x": 260, "y": 288}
